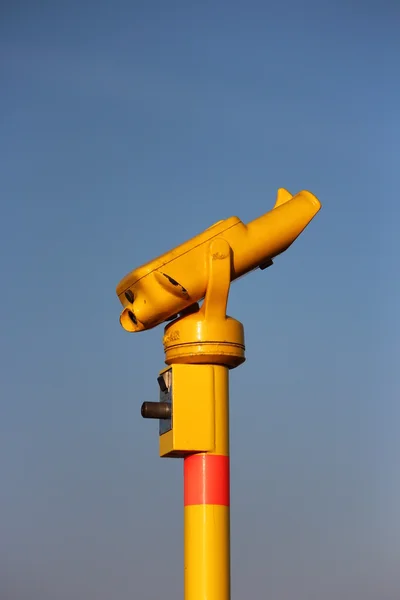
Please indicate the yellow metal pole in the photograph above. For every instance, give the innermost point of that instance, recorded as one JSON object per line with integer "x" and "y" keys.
{"x": 206, "y": 511}
{"x": 208, "y": 339}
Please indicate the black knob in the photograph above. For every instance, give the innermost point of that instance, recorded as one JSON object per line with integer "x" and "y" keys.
{"x": 156, "y": 410}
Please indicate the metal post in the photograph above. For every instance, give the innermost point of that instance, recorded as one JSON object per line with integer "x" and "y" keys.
{"x": 207, "y": 339}
{"x": 206, "y": 508}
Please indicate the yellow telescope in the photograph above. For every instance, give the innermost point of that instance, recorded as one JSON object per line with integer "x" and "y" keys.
{"x": 171, "y": 283}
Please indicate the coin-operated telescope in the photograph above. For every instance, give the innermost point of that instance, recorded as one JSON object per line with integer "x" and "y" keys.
{"x": 201, "y": 346}
{"x": 168, "y": 285}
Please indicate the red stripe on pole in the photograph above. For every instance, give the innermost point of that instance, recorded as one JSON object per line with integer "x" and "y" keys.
{"x": 206, "y": 479}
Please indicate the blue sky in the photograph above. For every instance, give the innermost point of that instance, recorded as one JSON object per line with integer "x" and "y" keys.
{"x": 126, "y": 128}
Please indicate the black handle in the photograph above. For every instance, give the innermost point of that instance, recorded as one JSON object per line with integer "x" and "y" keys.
{"x": 156, "y": 410}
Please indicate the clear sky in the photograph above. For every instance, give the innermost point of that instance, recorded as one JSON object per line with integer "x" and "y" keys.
{"x": 126, "y": 128}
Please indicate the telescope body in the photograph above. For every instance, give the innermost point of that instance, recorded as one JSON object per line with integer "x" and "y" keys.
{"x": 170, "y": 283}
